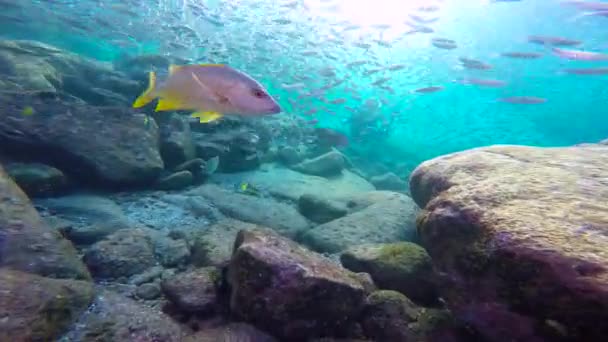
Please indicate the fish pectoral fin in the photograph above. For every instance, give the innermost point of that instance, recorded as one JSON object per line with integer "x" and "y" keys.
{"x": 210, "y": 92}
{"x": 165, "y": 104}
{"x": 206, "y": 117}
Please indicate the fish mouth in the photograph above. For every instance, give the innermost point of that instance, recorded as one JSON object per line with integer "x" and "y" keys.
{"x": 275, "y": 109}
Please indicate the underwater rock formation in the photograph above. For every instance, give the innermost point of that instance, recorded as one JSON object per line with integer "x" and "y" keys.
{"x": 387, "y": 316}
{"x": 124, "y": 150}
{"x": 37, "y": 180}
{"x": 326, "y": 165}
{"x": 401, "y": 266}
{"x": 47, "y": 282}
{"x": 263, "y": 211}
{"x": 389, "y": 181}
{"x": 520, "y": 235}
{"x": 56, "y": 102}
{"x": 375, "y": 217}
{"x": 290, "y": 291}
{"x": 113, "y": 317}
{"x": 194, "y": 291}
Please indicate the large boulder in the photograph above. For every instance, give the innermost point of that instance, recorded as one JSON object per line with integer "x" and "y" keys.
{"x": 375, "y": 217}
{"x": 27, "y": 244}
{"x": 54, "y": 102}
{"x": 288, "y": 290}
{"x": 124, "y": 150}
{"x": 176, "y": 146}
{"x": 520, "y": 233}
{"x": 326, "y": 165}
{"x": 38, "y": 180}
{"x": 194, "y": 291}
{"x": 35, "y": 308}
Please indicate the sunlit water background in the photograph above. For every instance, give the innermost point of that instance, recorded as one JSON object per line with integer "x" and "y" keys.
{"x": 268, "y": 38}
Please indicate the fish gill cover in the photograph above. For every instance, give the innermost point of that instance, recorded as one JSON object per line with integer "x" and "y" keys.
{"x": 405, "y": 80}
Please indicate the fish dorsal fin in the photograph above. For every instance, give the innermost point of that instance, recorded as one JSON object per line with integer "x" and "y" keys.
{"x": 173, "y": 68}
{"x": 211, "y": 65}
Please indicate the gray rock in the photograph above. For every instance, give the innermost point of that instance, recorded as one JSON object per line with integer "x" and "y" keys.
{"x": 27, "y": 244}
{"x": 403, "y": 266}
{"x": 147, "y": 276}
{"x": 194, "y": 291}
{"x": 38, "y": 179}
{"x": 176, "y": 146}
{"x": 289, "y": 156}
{"x": 148, "y": 291}
{"x": 91, "y": 218}
{"x": 35, "y": 308}
{"x": 263, "y": 211}
{"x": 114, "y": 317}
{"x": 170, "y": 252}
{"x": 376, "y": 217}
{"x": 319, "y": 209}
{"x": 195, "y": 166}
{"x": 387, "y": 316}
{"x": 326, "y": 165}
{"x": 213, "y": 246}
{"x": 231, "y": 332}
{"x": 288, "y": 290}
{"x": 175, "y": 181}
{"x": 124, "y": 253}
{"x": 389, "y": 181}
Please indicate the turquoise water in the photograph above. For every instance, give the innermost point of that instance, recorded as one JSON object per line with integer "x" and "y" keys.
{"x": 312, "y": 42}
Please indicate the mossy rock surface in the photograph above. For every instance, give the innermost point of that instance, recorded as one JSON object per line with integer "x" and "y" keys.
{"x": 403, "y": 266}
{"x": 522, "y": 229}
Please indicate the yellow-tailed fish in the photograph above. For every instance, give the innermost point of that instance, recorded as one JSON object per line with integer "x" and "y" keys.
{"x": 27, "y": 111}
{"x": 210, "y": 90}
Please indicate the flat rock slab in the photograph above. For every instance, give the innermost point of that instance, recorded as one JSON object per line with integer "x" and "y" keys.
{"x": 288, "y": 184}
{"x": 376, "y": 217}
{"x": 522, "y": 228}
{"x": 268, "y": 212}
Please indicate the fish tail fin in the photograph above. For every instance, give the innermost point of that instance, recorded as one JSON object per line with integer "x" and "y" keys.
{"x": 149, "y": 94}
{"x": 206, "y": 116}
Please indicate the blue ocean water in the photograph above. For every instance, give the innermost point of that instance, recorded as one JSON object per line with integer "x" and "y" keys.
{"x": 312, "y": 42}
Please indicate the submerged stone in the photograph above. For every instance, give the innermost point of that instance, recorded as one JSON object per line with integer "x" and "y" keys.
{"x": 320, "y": 210}
{"x": 35, "y": 308}
{"x": 403, "y": 266}
{"x": 37, "y": 179}
{"x": 387, "y": 316}
{"x": 389, "y": 181}
{"x": 520, "y": 233}
{"x": 326, "y": 165}
{"x": 195, "y": 290}
{"x": 175, "y": 181}
{"x": 290, "y": 291}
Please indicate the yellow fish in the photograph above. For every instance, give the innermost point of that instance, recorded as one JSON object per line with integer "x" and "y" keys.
{"x": 211, "y": 90}
{"x": 27, "y": 111}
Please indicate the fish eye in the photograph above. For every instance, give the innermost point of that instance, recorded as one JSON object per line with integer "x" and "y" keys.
{"x": 259, "y": 93}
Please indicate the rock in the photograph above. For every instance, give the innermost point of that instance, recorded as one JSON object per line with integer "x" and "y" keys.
{"x": 319, "y": 209}
{"x": 147, "y": 276}
{"x": 35, "y": 308}
{"x": 288, "y": 290}
{"x": 520, "y": 233}
{"x": 376, "y": 217}
{"x": 213, "y": 246}
{"x": 123, "y": 153}
{"x": 91, "y": 218}
{"x": 194, "y": 291}
{"x": 170, "y": 252}
{"x": 289, "y": 156}
{"x": 148, "y": 291}
{"x": 263, "y": 211}
{"x": 38, "y": 180}
{"x": 176, "y": 146}
{"x": 27, "y": 244}
{"x": 122, "y": 254}
{"x": 326, "y": 165}
{"x": 387, "y": 316}
{"x": 236, "y": 145}
{"x": 175, "y": 181}
{"x": 402, "y": 266}
{"x": 389, "y": 181}
{"x": 195, "y": 166}
{"x": 231, "y": 332}
{"x": 114, "y": 317}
